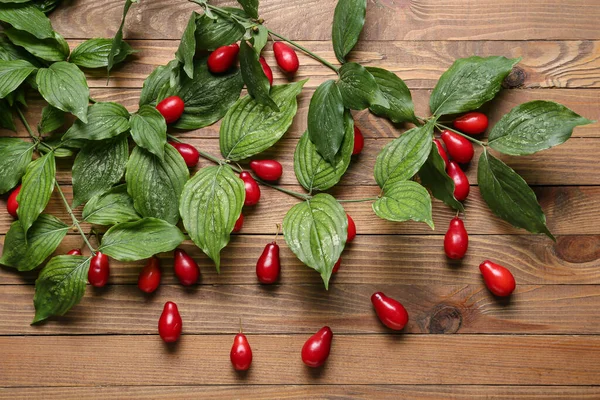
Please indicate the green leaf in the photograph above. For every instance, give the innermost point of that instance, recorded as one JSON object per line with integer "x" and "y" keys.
{"x": 149, "y": 130}
{"x": 28, "y": 18}
{"x": 138, "y": 240}
{"x": 46, "y": 6}
{"x": 52, "y": 119}
{"x": 63, "y": 86}
{"x": 15, "y": 155}
{"x": 156, "y": 81}
{"x": 97, "y": 167}
{"x": 254, "y": 76}
{"x": 400, "y": 108}
{"x": 10, "y": 52}
{"x": 359, "y": 89}
{"x": 435, "y": 178}
{"x": 12, "y": 74}
{"x": 156, "y": 185}
{"x": 51, "y": 49}
{"x": 326, "y": 120}
{"x": 469, "y": 83}
{"x": 534, "y": 126}
{"x": 404, "y": 201}
{"x": 117, "y": 42}
{"x": 110, "y": 208}
{"x": 43, "y": 238}
{"x": 60, "y": 286}
{"x": 207, "y": 97}
{"x": 250, "y": 128}
{"x": 509, "y": 196}
{"x": 259, "y": 38}
{"x": 36, "y": 189}
{"x": 6, "y": 119}
{"x": 104, "y": 121}
{"x": 403, "y": 157}
{"x": 93, "y": 53}
{"x": 210, "y": 205}
{"x": 316, "y": 231}
{"x": 250, "y": 7}
{"x": 187, "y": 47}
{"x": 221, "y": 31}
{"x": 348, "y": 22}
{"x": 312, "y": 171}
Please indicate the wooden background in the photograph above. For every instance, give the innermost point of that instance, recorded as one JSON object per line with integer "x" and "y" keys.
{"x": 461, "y": 342}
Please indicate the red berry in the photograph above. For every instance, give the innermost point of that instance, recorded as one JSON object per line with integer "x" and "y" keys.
{"x": 459, "y": 148}
{"x": 239, "y": 223}
{"x": 461, "y": 182}
{"x": 442, "y": 152}
{"x": 169, "y": 323}
{"x": 99, "y": 270}
{"x": 252, "y": 189}
{"x": 337, "y": 266}
{"x": 268, "y": 170}
{"x": 171, "y": 108}
{"x": 286, "y": 57}
{"x": 185, "y": 268}
{"x": 473, "y": 123}
{"x": 316, "y": 349}
{"x": 268, "y": 266}
{"x": 390, "y": 312}
{"x": 74, "y": 252}
{"x": 12, "y": 205}
{"x": 150, "y": 275}
{"x": 188, "y": 152}
{"x": 359, "y": 141}
{"x": 241, "y": 353}
{"x": 456, "y": 240}
{"x": 222, "y": 59}
{"x": 267, "y": 70}
{"x": 351, "y": 229}
{"x": 498, "y": 279}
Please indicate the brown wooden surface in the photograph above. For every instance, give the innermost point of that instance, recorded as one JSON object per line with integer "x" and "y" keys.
{"x": 461, "y": 342}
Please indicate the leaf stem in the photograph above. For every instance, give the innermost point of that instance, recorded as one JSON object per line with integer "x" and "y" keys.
{"x": 462, "y": 134}
{"x": 29, "y": 130}
{"x": 359, "y": 200}
{"x": 74, "y": 219}
{"x": 305, "y": 50}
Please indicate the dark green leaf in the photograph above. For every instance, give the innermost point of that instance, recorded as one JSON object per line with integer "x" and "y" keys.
{"x": 404, "y": 201}
{"x": 402, "y": 158}
{"x": 312, "y": 171}
{"x": 63, "y": 85}
{"x": 46, "y": 6}
{"x": 60, "y": 286}
{"x": 117, "y": 42}
{"x": 326, "y": 120}
{"x": 6, "y": 117}
{"x": 401, "y": 108}
{"x": 52, "y": 119}
{"x": 110, "y": 208}
{"x": 348, "y": 22}
{"x": 133, "y": 241}
{"x": 534, "y": 126}
{"x": 469, "y": 83}
{"x": 207, "y": 97}
{"x": 155, "y": 82}
{"x": 250, "y": 128}
{"x": 316, "y": 231}
{"x": 149, "y": 130}
{"x": 51, "y": 49}
{"x": 43, "y": 238}
{"x": 10, "y": 52}
{"x": 26, "y": 17}
{"x": 36, "y": 189}
{"x": 359, "y": 89}
{"x": 15, "y": 155}
{"x": 156, "y": 185}
{"x": 93, "y": 53}
{"x": 251, "y": 7}
{"x": 97, "y": 167}
{"x": 256, "y": 81}
{"x": 210, "y": 205}
{"x": 509, "y": 196}
{"x": 105, "y": 120}
{"x": 187, "y": 47}
{"x": 259, "y": 38}
{"x": 435, "y": 178}
{"x": 12, "y": 74}
{"x": 221, "y": 31}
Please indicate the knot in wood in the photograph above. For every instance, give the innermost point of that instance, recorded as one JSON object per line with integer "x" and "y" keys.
{"x": 515, "y": 79}
{"x": 578, "y": 249}
{"x": 445, "y": 319}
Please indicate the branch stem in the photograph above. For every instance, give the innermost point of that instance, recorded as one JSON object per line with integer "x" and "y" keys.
{"x": 462, "y": 134}
{"x": 305, "y": 50}
{"x": 74, "y": 219}
{"x": 29, "y": 130}
{"x": 359, "y": 200}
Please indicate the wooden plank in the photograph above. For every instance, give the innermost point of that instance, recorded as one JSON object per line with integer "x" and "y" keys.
{"x": 569, "y": 210}
{"x": 534, "y": 260}
{"x": 355, "y": 359}
{"x": 386, "y": 20}
{"x": 290, "y": 309}
{"x": 288, "y": 392}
